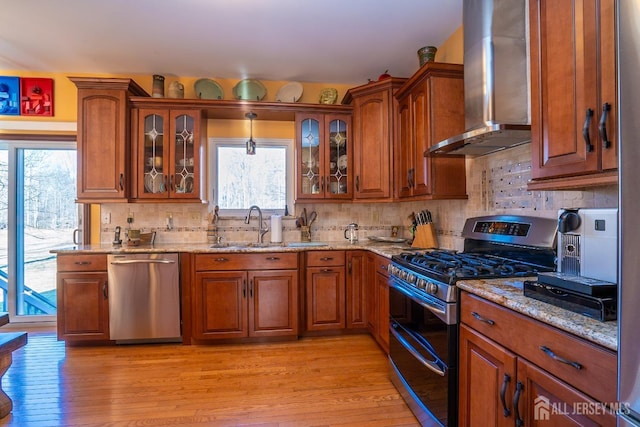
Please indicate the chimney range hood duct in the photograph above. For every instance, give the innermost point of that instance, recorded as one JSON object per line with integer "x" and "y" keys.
{"x": 496, "y": 79}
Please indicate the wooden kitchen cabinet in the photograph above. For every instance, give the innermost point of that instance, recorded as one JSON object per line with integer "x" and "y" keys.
{"x": 324, "y": 156}
{"x": 378, "y": 303}
{"x": 356, "y": 298}
{"x": 169, "y": 159}
{"x": 82, "y": 298}
{"x": 104, "y": 138}
{"x": 325, "y": 290}
{"x": 573, "y": 93}
{"x": 374, "y": 124}
{"x": 430, "y": 109}
{"x": 245, "y": 296}
{"x": 504, "y": 377}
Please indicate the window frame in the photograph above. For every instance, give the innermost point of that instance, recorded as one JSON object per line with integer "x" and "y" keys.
{"x": 287, "y": 144}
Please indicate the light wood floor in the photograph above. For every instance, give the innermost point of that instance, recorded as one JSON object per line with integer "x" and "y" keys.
{"x": 332, "y": 381}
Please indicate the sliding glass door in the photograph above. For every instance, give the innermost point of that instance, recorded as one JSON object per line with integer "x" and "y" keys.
{"x": 37, "y": 213}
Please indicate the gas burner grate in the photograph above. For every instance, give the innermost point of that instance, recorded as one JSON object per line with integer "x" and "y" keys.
{"x": 454, "y": 265}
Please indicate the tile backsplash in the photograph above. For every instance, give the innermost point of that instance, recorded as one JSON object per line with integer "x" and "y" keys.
{"x": 496, "y": 184}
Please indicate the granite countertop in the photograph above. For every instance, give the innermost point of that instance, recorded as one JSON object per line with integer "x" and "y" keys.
{"x": 509, "y": 293}
{"x": 384, "y": 249}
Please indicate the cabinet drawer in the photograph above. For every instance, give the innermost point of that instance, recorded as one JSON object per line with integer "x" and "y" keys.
{"x": 545, "y": 346}
{"x": 82, "y": 262}
{"x": 256, "y": 261}
{"x": 325, "y": 258}
{"x": 382, "y": 265}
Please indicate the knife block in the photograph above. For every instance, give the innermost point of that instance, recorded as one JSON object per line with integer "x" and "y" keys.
{"x": 425, "y": 236}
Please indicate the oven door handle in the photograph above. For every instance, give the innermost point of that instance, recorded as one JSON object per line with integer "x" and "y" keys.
{"x": 416, "y": 336}
{"x": 419, "y": 299}
{"x": 431, "y": 364}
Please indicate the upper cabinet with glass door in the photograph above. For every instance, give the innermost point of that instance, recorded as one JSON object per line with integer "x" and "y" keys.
{"x": 323, "y": 152}
{"x": 169, "y": 154}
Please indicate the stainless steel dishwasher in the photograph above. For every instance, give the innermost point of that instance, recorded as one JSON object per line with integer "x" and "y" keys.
{"x": 144, "y": 297}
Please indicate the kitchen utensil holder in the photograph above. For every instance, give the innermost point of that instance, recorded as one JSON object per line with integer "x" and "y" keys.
{"x": 425, "y": 236}
{"x": 305, "y": 233}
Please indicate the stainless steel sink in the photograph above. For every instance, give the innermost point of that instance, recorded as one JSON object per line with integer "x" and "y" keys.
{"x": 305, "y": 244}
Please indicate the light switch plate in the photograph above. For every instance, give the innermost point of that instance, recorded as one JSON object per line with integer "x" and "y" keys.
{"x": 106, "y": 218}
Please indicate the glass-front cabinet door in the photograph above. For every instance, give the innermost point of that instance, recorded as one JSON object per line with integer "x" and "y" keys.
{"x": 185, "y": 154}
{"x": 311, "y": 131}
{"x": 323, "y": 156}
{"x": 169, "y": 154}
{"x": 339, "y": 159}
{"x": 153, "y": 153}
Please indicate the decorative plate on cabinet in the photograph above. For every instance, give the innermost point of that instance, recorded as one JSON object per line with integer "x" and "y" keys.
{"x": 343, "y": 162}
{"x": 290, "y": 92}
{"x": 249, "y": 90}
{"x": 154, "y": 184}
{"x": 208, "y": 89}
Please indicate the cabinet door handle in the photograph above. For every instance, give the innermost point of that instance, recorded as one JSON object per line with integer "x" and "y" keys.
{"x": 516, "y": 399}
{"x": 105, "y": 291}
{"x": 121, "y": 182}
{"x": 273, "y": 258}
{"x": 585, "y": 130}
{"x": 357, "y": 182}
{"x": 326, "y": 259}
{"x": 244, "y": 288}
{"x": 164, "y": 179}
{"x": 322, "y": 184}
{"x": 326, "y": 270}
{"x": 606, "y": 107}
{"x": 482, "y": 319}
{"x": 383, "y": 267}
{"x": 350, "y": 268}
{"x": 221, "y": 259}
{"x": 503, "y": 391}
{"x": 251, "y": 288}
{"x": 560, "y": 359}
{"x": 410, "y": 173}
{"x": 82, "y": 263}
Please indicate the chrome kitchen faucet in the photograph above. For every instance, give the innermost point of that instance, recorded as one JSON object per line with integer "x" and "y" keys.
{"x": 262, "y": 228}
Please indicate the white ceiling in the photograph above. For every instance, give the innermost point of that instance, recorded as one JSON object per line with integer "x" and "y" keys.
{"x": 332, "y": 41}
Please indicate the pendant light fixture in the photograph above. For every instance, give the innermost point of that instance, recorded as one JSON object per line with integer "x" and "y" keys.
{"x": 251, "y": 144}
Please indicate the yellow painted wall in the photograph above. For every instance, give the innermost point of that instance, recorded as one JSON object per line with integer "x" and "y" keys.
{"x": 241, "y": 129}
{"x": 452, "y": 50}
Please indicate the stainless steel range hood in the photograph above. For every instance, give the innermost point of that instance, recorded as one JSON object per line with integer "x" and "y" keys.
{"x": 496, "y": 79}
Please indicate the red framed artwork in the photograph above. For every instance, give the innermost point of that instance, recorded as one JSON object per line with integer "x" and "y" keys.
{"x": 36, "y": 96}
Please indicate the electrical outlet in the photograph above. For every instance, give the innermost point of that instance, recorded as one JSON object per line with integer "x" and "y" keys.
{"x": 130, "y": 218}
{"x": 106, "y": 218}
{"x": 195, "y": 215}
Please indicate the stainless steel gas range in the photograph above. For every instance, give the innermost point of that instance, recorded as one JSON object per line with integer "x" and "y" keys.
{"x": 423, "y": 310}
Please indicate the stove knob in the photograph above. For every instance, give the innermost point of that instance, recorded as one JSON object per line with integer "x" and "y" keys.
{"x": 432, "y": 288}
{"x": 421, "y": 283}
{"x": 411, "y": 278}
